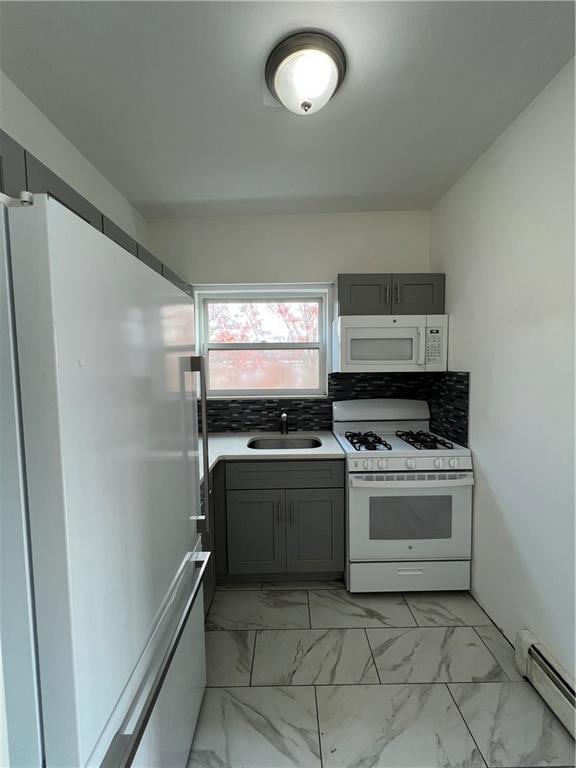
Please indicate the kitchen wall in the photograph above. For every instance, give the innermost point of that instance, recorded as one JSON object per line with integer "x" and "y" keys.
{"x": 291, "y": 248}
{"x": 31, "y": 128}
{"x": 504, "y": 234}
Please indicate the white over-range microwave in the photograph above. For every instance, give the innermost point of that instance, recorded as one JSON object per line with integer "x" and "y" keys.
{"x": 380, "y": 343}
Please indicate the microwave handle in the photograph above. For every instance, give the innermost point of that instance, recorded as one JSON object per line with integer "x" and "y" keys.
{"x": 421, "y": 346}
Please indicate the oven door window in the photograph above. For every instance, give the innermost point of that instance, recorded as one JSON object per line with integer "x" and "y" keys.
{"x": 410, "y": 518}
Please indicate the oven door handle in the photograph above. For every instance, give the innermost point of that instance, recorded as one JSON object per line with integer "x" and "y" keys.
{"x": 356, "y": 481}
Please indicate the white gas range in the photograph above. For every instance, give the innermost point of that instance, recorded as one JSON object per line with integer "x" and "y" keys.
{"x": 409, "y": 511}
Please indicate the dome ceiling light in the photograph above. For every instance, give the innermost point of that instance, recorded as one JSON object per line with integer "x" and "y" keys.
{"x": 305, "y": 70}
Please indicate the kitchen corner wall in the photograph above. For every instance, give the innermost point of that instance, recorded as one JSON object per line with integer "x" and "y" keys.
{"x": 504, "y": 235}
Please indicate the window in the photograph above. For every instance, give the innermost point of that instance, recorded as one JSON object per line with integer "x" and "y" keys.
{"x": 264, "y": 341}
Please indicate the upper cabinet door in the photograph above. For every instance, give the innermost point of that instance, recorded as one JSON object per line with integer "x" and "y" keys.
{"x": 418, "y": 294}
{"x": 364, "y": 294}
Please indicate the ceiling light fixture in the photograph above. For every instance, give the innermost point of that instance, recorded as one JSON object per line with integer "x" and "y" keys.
{"x": 305, "y": 70}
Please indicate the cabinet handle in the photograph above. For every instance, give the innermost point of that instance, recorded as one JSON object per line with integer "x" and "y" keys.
{"x": 397, "y": 293}
{"x": 387, "y": 294}
{"x": 292, "y": 513}
{"x": 279, "y": 512}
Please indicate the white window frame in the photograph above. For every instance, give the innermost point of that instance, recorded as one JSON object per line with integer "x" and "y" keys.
{"x": 321, "y": 292}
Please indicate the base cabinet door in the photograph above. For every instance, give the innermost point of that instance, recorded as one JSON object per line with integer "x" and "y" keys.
{"x": 256, "y": 531}
{"x": 315, "y": 529}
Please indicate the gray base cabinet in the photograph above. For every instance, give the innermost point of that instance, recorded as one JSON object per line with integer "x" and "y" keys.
{"x": 256, "y": 531}
{"x": 283, "y": 517}
{"x": 315, "y": 530}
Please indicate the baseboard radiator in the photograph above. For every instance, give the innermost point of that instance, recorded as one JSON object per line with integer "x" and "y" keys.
{"x": 548, "y": 677}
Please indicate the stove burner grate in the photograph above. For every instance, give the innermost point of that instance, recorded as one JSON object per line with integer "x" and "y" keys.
{"x": 367, "y": 441}
{"x": 424, "y": 440}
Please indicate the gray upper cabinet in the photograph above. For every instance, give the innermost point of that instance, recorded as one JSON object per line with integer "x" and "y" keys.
{"x": 12, "y": 166}
{"x": 42, "y": 179}
{"x": 418, "y": 294}
{"x": 256, "y": 531}
{"x": 384, "y": 294}
{"x": 121, "y": 238}
{"x": 176, "y": 280}
{"x": 149, "y": 259}
{"x": 364, "y": 294}
{"x": 315, "y": 530}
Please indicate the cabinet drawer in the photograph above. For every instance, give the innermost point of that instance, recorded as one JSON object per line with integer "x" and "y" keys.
{"x": 408, "y": 576}
{"x": 284, "y": 474}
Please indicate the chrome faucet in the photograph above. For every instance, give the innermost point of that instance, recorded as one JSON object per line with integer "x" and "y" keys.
{"x": 284, "y": 424}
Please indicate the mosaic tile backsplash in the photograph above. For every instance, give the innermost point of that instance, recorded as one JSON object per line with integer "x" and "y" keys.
{"x": 445, "y": 391}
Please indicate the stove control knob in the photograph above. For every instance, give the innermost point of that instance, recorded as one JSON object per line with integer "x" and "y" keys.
{"x": 381, "y": 463}
{"x": 410, "y": 464}
{"x": 366, "y": 463}
{"x": 438, "y": 463}
{"x": 453, "y": 463}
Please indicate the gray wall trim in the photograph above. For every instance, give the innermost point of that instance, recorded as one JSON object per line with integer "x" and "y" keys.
{"x": 20, "y": 170}
{"x": 42, "y": 179}
{"x": 148, "y": 258}
{"x": 115, "y": 233}
{"x": 176, "y": 280}
{"x": 12, "y": 166}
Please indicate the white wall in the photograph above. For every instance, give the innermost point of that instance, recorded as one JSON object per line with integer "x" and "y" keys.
{"x": 504, "y": 234}
{"x": 31, "y": 128}
{"x": 291, "y": 248}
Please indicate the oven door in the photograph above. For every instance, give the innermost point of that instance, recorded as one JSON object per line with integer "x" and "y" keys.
{"x": 377, "y": 344}
{"x": 416, "y": 516}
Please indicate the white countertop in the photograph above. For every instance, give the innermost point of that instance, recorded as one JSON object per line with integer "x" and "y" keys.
{"x": 234, "y": 445}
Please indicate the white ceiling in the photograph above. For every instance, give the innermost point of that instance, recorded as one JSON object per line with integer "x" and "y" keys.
{"x": 168, "y": 99}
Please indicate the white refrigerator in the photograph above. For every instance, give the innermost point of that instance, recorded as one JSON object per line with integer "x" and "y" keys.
{"x": 101, "y": 565}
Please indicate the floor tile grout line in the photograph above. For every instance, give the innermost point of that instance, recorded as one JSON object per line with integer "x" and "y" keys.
{"x": 409, "y": 608}
{"x": 309, "y": 611}
{"x": 466, "y": 725}
{"x": 372, "y": 654}
{"x": 253, "y": 657}
{"x": 485, "y": 644}
{"x": 296, "y": 629}
{"x": 318, "y": 726}
{"x": 411, "y": 684}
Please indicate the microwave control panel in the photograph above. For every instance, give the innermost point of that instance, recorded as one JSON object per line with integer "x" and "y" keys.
{"x": 436, "y": 344}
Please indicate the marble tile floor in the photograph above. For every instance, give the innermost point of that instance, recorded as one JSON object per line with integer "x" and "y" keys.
{"x": 315, "y": 677}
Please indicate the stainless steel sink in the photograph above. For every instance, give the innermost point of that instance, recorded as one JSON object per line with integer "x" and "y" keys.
{"x": 282, "y": 443}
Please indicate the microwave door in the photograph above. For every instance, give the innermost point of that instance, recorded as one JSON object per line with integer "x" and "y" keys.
{"x": 384, "y": 348}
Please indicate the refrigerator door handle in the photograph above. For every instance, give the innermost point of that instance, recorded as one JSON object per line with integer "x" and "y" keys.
{"x": 198, "y": 365}
{"x": 124, "y": 746}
